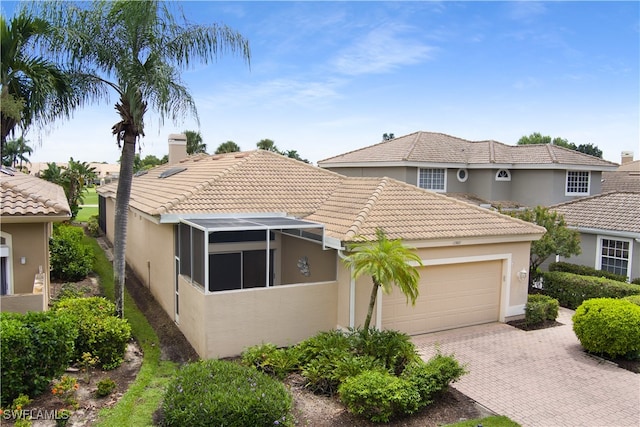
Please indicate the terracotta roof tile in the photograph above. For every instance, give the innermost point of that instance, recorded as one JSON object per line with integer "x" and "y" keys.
{"x": 616, "y": 211}
{"x": 25, "y": 195}
{"x": 432, "y": 147}
{"x": 262, "y": 182}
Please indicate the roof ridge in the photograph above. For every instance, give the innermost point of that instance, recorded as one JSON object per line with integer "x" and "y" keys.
{"x": 366, "y": 210}
{"x": 554, "y": 159}
{"x": 9, "y": 185}
{"x": 367, "y": 147}
{"x": 412, "y": 145}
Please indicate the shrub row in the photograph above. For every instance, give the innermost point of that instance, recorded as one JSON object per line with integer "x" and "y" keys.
{"x": 100, "y": 332}
{"x": 571, "y": 289}
{"x": 222, "y": 393}
{"x": 36, "y": 347}
{"x": 585, "y": 271}
{"x": 378, "y": 374}
{"x": 609, "y": 326}
{"x": 71, "y": 260}
{"x": 540, "y": 308}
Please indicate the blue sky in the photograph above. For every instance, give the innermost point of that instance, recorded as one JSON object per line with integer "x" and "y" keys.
{"x": 330, "y": 77}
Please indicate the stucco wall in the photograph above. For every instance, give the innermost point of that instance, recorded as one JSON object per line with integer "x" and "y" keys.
{"x": 282, "y": 315}
{"x": 30, "y": 241}
{"x": 322, "y": 263}
{"x": 23, "y": 303}
{"x": 192, "y": 318}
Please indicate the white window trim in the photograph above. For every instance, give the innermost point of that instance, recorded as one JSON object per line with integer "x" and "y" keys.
{"x": 6, "y": 252}
{"x": 566, "y": 181}
{"x": 507, "y": 178}
{"x": 466, "y": 175}
{"x": 444, "y": 190}
{"x": 598, "y": 263}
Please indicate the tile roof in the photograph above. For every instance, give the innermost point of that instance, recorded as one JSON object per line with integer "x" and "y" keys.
{"x": 621, "y": 180}
{"x": 261, "y": 182}
{"x": 438, "y": 148}
{"x": 25, "y": 195}
{"x": 617, "y": 211}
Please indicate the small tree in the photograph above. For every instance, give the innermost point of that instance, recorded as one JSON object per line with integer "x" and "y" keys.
{"x": 268, "y": 145}
{"x": 194, "y": 142}
{"x": 558, "y": 240}
{"x": 227, "y": 147}
{"x": 387, "y": 262}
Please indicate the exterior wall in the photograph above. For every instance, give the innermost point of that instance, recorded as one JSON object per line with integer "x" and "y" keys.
{"x": 344, "y": 295}
{"x": 322, "y": 262}
{"x": 32, "y": 242}
{"x": 538, "y": 187}
{"x": 110, "y": 212}
{"x": 282, "y": 315}
{"x": 401, "y": 173}
{"x": 23, "y": 303}
{"x": 192, "y": 315}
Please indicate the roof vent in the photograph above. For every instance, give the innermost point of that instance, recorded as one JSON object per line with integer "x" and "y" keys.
{"x": 171, "y": 172}
{"x": 140, "y": 173}
{"x": 7, "y": 171}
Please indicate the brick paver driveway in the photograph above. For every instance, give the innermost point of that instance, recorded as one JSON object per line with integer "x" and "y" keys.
{"x": 539, "y": 378}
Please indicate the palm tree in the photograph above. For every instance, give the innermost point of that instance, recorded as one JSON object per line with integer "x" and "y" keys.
{"x": 268, "y": 145}
{"x": 137, "y": 49}
{"x": 228, "y": 147}
{"x": 34, "y": 89}
{"x": 387, "y": 262}
{"x": 53, "y": 173}
{"x": 76, "y": 177}
{"x": 15, "y": 150}
{"x": 194, "y": 142}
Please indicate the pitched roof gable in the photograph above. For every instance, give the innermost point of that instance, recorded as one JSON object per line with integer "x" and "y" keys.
{"x": 262, "y": 182}
{"x": 25, "y": 195}
{"x": 439, "y": 148}
{"x": 617, "y": 211}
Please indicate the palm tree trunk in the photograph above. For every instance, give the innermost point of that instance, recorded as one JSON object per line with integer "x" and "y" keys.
{"x": 121, "y": 219}
{"x": 372, "y": 303}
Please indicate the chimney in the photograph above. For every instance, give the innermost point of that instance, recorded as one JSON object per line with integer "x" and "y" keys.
{"x": 177, "y": 147}
{"x": 626, "y": 157}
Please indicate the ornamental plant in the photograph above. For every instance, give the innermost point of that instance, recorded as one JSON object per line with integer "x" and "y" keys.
{"x": 65, "y": 389}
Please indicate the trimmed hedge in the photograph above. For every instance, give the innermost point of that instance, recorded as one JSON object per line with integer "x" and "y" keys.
{"x": 585, "y": 271}
{"x": 609, "y": 326}
{"x": 36, "y": 347}
{"x": 540, "y": 308}
{"x": 221, "y": 393}
{"x": 571, "y": 290}
{"x": 71, "y": 259}
{"x": 633, "y": 298}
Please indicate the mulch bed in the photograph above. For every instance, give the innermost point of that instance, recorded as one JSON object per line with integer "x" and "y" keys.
{"x": 522, "y": 324}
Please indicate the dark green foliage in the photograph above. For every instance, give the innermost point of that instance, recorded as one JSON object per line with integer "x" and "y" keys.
{"x": 393, "y": 349}
{"x": 379, "y": 396}
{"x": 220, "y": 393}
{"x": 633, "y": 298}
{"x": 36, "y": 347}
{"x": 93, "y": 227}
{"x": 322, "y": 344}
{"x": 608, "y": 326}
{"x": 571, "y": 289}
{"x": 99, "y": 331}
{"x": 71, "y": 259}
{"x": 271, "y": 360}
{"x": 585, "y": 271}
{"x": 434, "y": 376}
{"x": 105, "y": 387}
{"x": 540, "y": 308}
{"x": 636, "y": 281}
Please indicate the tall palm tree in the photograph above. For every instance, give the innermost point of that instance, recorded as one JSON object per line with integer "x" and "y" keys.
{"x": 34, "y": 89}
{"x": 14, "y": 150}
{"x": 137, "y": 49}
{"x": 194, "y": 142}
{"x": 228, "y": 147}
{"x": 387, "y": 262}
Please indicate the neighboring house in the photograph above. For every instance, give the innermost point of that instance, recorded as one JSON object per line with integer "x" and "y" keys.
{"x": 245, "y": 248}
{"x": 609, "y": 226}
{"x": 29, "y": 208}
{"x": 480, "y": 171}
{"x": 625, "y": 178}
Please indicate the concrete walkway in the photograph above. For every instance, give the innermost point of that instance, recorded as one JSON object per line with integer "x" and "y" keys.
{"x": 539, "y": 378}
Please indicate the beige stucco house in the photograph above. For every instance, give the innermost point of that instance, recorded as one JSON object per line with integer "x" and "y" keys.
{"x": 245, "y": 248}
{"x": 29, "y": 208}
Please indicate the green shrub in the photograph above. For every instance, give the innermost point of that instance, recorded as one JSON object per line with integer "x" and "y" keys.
{"x": 271, "y": 360}
{"x": 105, "y": 387}
{"x": 71, "y": 259}
{"x": 217, "y": 393}
{"x": 99, "y": 331}
{"x": 633, "y": 298}
{"x": 434, "y": 376}
{"x": 35, "y": 348}
{"x": 636, "y": 281}
{"x": 583, "y": 270}
{"x": 540, "y": 308}
{"x": 608, "y": 326}
{"x": 93, "y": 227}
{"x": 379, "y": 396}
{"x": 571, "y": 289}
{"x": 327, "y": 342}
{"x": 393, "y": 349}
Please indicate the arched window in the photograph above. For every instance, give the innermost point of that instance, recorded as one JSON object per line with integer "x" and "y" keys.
{"x": 503, "y": 175}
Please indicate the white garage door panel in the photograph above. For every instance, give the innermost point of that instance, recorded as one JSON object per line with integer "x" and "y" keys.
{"x": 451, "y": 296}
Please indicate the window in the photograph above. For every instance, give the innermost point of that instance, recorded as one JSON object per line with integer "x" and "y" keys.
{"x": 503, "y": 175}
{"x": 432, "y": 179}
{"x": 577, "y": 183}
{"x": 462, "y": 175}
{"x": 614, "y": 256}
{"x": 5, "y": 264}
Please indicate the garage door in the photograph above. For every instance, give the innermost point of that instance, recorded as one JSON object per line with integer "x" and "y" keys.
{"x": 451, "y": 296}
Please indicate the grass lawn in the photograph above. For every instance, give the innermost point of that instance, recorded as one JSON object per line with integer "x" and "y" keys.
{"x": 497, "y": 421}
{"x": 143, "y": 397}
{"x": 90, "y": 198}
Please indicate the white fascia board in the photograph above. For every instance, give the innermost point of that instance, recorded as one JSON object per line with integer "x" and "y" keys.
{"x": 465, "y": 241}
{"x": 445, "y": 165}
{"x": 600, "y": 231}
{"x": 25, "y": 219}
{"x": 175, "y": 218}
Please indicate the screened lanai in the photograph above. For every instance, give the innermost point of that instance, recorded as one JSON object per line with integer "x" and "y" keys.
{"x": 237, "y": 253}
